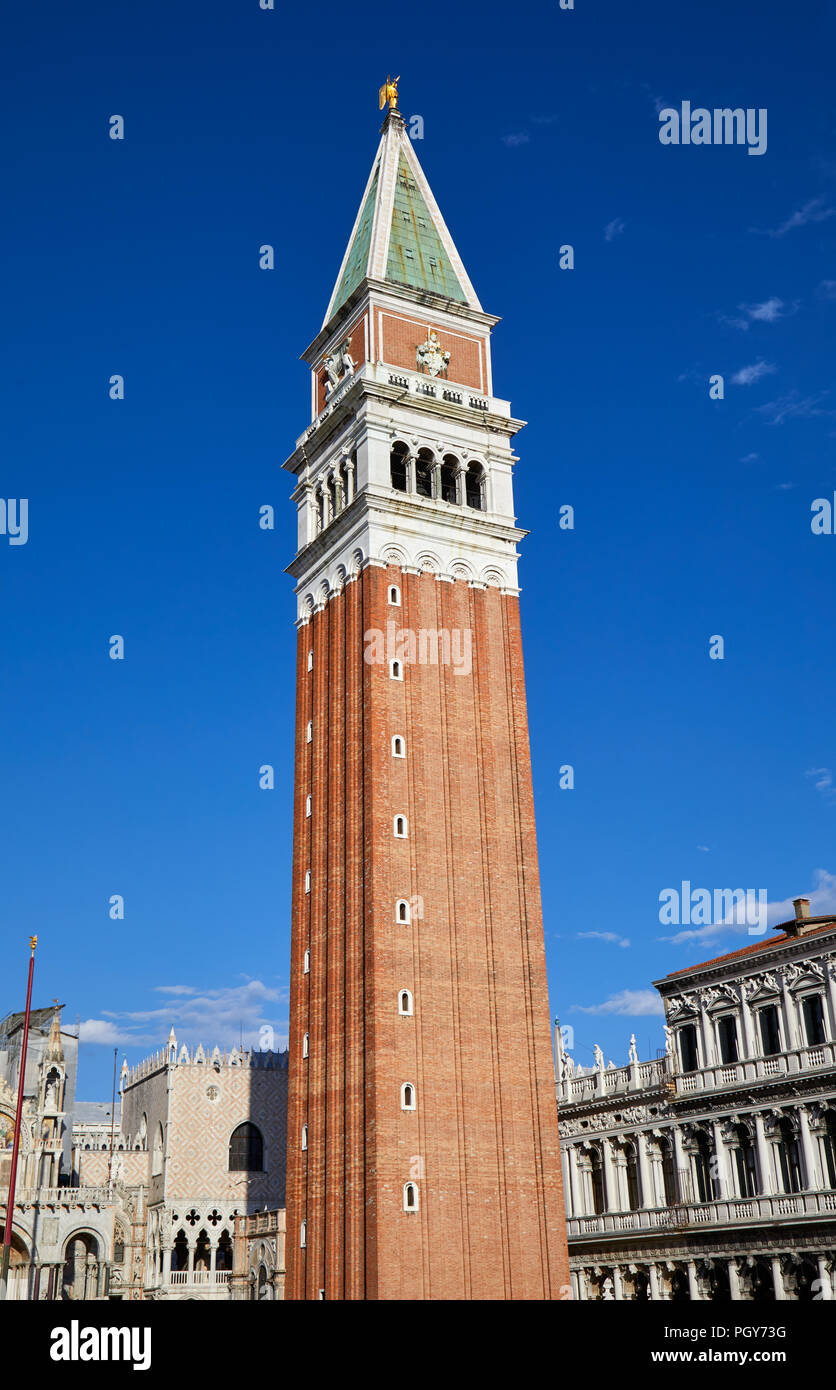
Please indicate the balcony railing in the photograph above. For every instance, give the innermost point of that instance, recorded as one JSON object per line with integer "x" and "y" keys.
{"x": 63, "y": 1196}
{"x": 612, "y": 1081}
{"x": 780, "y": 1207}
{"x": 192, "y": 1278}
{"x": 416, "y": 384}
{"x": 717, "y": 1077}
{"x": 721, "y": 1075}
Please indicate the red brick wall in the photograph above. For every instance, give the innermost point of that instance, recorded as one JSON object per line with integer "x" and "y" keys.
{"x": 478, "y": 1048}
{"x": 401, "y": 336}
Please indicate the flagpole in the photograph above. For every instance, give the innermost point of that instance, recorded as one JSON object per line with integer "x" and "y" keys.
{"x": 10, "y": 1198}
{"x": 112, "y": 1119}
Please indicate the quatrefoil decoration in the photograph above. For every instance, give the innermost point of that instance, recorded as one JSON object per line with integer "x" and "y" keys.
{"x": 214, "y": 1217}
{"x": 192, "y": 1217}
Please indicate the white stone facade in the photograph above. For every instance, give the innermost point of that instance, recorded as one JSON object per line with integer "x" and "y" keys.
{"x": 710, "y": 1172}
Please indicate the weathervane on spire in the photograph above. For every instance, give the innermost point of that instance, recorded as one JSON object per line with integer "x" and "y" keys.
{"x": 389, "y": 92}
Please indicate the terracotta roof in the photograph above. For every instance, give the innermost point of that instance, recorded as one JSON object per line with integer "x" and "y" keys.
{"x": 830, "y": 922}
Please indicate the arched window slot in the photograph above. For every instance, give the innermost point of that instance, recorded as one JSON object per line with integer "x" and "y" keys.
{"x": 402, "y": 912}
{"x": 475, "y": 487}
{"x": 407, "y": 1096}
{"x": 401, "y": 828}
{"x": 424, "y": 469}
{"x": 405, "y": 1003}
{"x": 449, "y": 473}
{"x": 410, "y": 1196}
{"x": 398, "y": 746}
{"x": 398, "y": 466}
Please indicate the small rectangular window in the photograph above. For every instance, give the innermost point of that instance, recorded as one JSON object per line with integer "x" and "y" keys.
{"x": 813, "y": 1020}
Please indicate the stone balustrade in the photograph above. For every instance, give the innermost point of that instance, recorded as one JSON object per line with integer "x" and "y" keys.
{"x": 729, "y": 1212}
{"x": 724, "y": 1074}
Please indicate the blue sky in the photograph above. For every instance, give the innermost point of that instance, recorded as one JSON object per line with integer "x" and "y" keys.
{"x": 140, "y": 257}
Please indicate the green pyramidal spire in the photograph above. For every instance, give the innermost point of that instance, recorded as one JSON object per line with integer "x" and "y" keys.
{"x": 399, "y": 234}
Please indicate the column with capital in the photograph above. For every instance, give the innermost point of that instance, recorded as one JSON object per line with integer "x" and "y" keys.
{"x": 825, "y": 1282}
{"x": 460, "y": 485}
{"x": 693, "y": 1283}
{"x": 618, "y": 1284}
{"x": 790, "y": 1023}
{"x": 724, "y": 1186}
{"x": 568, "y": 1193}
{"x": 648, "y": 1198}
{"x": 778, "y": 1280}
{"x": 610, "y": 1182}
{"x": 349, "y": 479}
{"x": 750, "y": 1046}
{"x": 410, "y": 473}
{"x": 734, "y": 1281}
{"x": 682, "y": 1167}
{"x": 767, "y": 1182}
{"x": 812, "y": 1176}
{"x": 830, "y": 972}
{"x": 585, "y": 1203}
{"x": 707, "y": 1030}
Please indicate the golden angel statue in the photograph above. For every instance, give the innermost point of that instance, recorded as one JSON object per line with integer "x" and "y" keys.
{"x": 389, "y": 92}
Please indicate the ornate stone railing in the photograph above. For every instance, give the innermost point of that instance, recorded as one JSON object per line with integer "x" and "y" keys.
{"x": 63, "y": 1196}
{"x": 779, "y": 1207}
{"x": 262, "y": 1223}
{"x": 612, "y": 1081}
{"x": 194, "y": 1278}
{"x": 721, "y": 1075}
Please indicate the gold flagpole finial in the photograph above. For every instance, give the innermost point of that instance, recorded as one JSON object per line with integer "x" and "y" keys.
{"x": 389, "y": 92}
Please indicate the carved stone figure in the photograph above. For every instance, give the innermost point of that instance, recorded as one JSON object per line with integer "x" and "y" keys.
{"x": 431, "y": 357}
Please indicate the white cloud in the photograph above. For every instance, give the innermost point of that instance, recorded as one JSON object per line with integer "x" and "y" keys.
{"x": 604, "y": 936}
{"x": 795, "y": 407}
{"x": 769, "y": 311}
{"x": 520, "y": 137}
{"x": 822, "y": 900}
{"x": 827, "y": 289}
{"x": 633, "y": 1003}
{"x": 614, "y": 228}
{"x": 704, "y": 849}
{"x": 102, "y": 1031}
{"x": 747, "y": 376}
{"x": 209, "y": 1016}
{"x": 824, "y": 782}
{"x": 750, "y": 458}
{"x": 813, "y": 211}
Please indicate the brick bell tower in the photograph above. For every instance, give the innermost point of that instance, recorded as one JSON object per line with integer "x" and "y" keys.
{"x": 423, "y": 1158}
